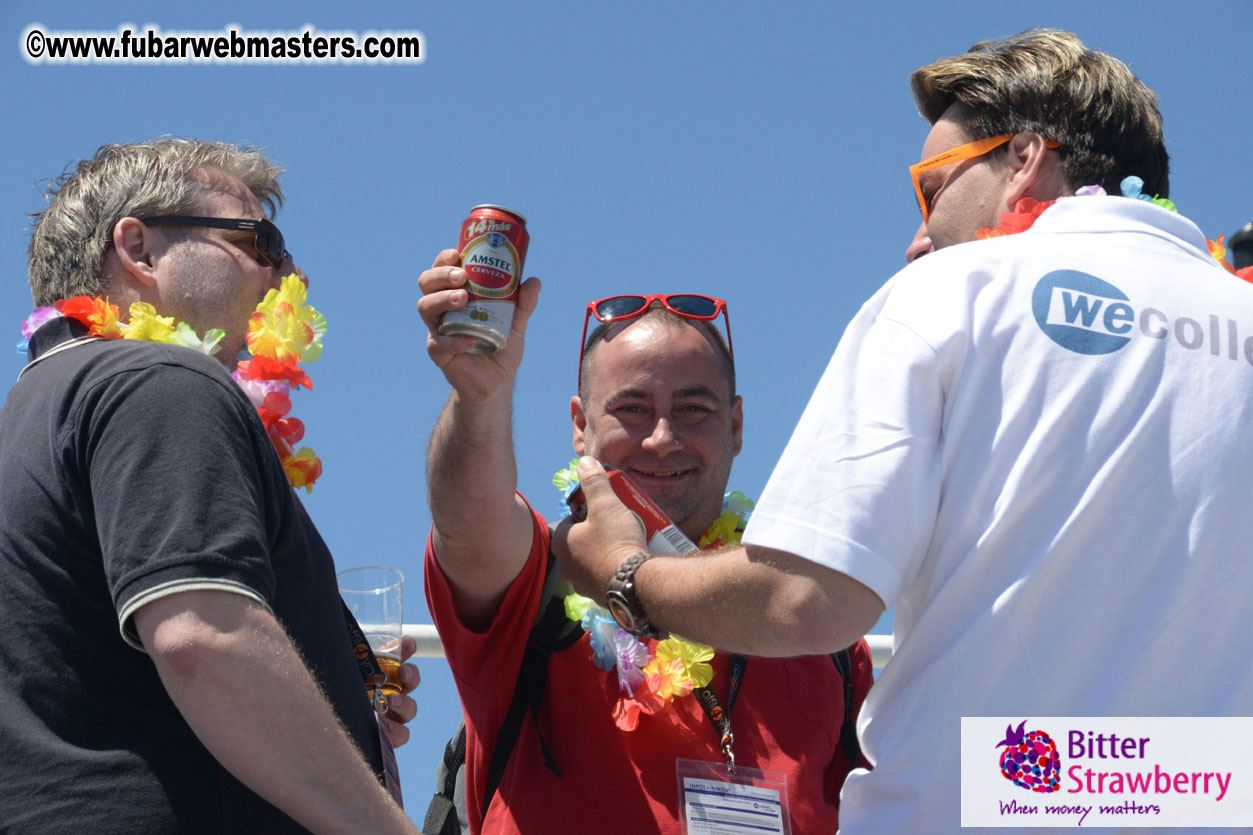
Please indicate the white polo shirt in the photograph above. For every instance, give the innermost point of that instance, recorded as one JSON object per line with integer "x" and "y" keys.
{"x": 1039, "y": 448}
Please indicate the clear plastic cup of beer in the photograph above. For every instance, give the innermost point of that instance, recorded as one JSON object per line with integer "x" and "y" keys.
{"x": 373, "y": 595}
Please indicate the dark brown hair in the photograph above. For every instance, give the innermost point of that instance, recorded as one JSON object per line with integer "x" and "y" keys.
{"x": 1046, "y": 81}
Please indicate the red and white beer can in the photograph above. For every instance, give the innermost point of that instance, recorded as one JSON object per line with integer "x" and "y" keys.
{"x": 493, "y": 244}
{"x": 662, "y": 536}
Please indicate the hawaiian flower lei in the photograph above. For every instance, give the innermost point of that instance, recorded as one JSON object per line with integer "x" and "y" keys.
{"x": 282, "y": 333}
{"x": 650, "y": 678}
{"x": 1027, "y": 210}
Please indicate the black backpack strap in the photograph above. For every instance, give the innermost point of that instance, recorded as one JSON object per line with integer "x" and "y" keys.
{"x": 552, "y": 632}
{"x": 848, "y": 728}
{"x": 441, "y": 816}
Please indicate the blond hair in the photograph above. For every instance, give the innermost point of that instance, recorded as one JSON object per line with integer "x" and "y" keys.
{"x": 1046, "y": 81}
{"x": 71, "y": 236}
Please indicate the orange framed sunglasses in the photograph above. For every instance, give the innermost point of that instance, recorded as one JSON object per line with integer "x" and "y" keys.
{"x": 962, "y": 152}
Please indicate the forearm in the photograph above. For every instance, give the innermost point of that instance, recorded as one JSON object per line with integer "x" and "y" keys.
{"x": 482, "y": 530}
{"x": 471, "y": 473}
{"x": 234, "y": 675}
{"x": 745, "y": 599}
{"x": 757, "y": 602}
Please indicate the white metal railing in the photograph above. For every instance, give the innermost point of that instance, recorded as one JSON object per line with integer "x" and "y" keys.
{"x": 429, "y": 645}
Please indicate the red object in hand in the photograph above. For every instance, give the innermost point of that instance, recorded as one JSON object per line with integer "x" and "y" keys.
{"x": 661, "y": 534}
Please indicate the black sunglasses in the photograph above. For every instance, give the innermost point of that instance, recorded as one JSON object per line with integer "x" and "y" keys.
{"x": 267, "y": 239}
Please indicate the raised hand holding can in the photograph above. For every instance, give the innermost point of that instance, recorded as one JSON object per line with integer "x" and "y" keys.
{"x": 493, "y": 244}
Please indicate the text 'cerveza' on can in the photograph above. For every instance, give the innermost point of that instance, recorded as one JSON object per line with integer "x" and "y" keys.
{"x": 493, "y": 244}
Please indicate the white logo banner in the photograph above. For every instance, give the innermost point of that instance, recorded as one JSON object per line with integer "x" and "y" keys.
{"x": 1106, "y": 771}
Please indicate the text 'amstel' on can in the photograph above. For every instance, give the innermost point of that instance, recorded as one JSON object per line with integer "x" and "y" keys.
{"x": 493, "y": 244}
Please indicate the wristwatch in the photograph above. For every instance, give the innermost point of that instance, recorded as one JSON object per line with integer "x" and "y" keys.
{"x": 624, "y": 602}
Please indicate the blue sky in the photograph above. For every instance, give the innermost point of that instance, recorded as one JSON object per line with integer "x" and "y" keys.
{"x": 751, "y": 151}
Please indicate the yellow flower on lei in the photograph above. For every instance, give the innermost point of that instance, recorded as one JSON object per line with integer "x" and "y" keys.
{"x": 284, "y": 327}
{"x": 147, "y": 325}
{"x": 577, "y": 606}
{"x": 693, "y": 657}
{"x": 281, "y": 333}
{"x": 722, "y": 529}
{"x": 303, "y": 469}
{"x": 107, "y": 322}
{"x": 667, "y": 679}
{"x": 728, "y": 528}
{"x": 675, "y": 667}
{"x": 562, "y": 479}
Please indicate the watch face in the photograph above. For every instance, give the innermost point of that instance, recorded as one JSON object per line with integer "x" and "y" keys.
{"x": 621, "y": 611}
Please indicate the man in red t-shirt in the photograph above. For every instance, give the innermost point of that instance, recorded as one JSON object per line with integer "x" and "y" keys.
{"x": 657, "y": 401}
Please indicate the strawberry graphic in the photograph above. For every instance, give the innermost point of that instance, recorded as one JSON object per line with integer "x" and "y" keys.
{"x": 1031, "y": 760}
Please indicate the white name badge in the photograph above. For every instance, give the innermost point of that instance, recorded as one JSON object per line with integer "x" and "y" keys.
{"x": 716, "y": 800}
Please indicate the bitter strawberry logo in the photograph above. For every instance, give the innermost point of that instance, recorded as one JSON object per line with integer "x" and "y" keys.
{"x": 1030, "y": 760}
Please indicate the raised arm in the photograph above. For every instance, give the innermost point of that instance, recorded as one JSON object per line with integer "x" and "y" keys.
{"x": 482, "y": 529}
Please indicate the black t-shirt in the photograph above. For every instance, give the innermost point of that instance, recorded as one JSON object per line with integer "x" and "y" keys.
{"x": 130, "y": 470}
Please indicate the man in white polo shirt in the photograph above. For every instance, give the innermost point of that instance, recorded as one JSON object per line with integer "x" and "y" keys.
{"x": 1037, "y": 446}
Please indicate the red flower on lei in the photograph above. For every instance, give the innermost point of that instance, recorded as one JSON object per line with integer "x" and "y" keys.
{"x": 97, "y": 314}
{"x": 1218, "y": 249}
{"x": 1027, "y": 210}
{"x": 283, "y": 332}
{"x": 1019, "y": 220}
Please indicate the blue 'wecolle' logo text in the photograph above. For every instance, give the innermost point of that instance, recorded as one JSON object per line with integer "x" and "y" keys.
{"x": 1088, "y": 315}
{"x": 1082, "y": 313}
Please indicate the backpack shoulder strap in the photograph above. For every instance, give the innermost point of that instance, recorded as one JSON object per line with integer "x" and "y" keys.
{"x": 552, "y": 632}
{"x": 442, "y": 816}
{"x": 848, "y": 728}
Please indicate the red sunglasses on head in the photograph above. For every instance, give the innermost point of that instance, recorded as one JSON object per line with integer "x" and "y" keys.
{"x": 621, "y": 308}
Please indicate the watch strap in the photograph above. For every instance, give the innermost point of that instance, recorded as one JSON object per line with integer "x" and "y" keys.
{"x": 623, "y": 584}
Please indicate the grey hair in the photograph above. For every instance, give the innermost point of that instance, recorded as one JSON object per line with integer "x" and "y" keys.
{"x": 71, "y": 236}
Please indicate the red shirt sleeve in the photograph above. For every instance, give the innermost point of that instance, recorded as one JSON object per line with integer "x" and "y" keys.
{"x": 485, "y": 663}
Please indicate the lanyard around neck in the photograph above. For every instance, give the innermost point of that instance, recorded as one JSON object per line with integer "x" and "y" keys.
{"x": 721, "y": 718}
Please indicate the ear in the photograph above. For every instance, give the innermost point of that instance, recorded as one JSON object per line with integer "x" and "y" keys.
{"x": 1033, "y": 170}
{"x": 737, "y": 425}
{"x": 135, "y": 245}
{"x": 578, "y": 421}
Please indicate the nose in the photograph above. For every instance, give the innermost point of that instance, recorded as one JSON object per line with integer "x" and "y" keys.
{"x": 919, "y": 246}
{"x": 288, "y": 267}
{"x": 661, "y": 441}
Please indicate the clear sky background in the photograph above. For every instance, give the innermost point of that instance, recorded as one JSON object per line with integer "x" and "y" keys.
{"x": 752, "y": 151}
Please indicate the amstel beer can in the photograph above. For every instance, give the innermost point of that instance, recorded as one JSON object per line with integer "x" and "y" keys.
{"x": 493, "y": 246}
{"x": 662, "y": 536}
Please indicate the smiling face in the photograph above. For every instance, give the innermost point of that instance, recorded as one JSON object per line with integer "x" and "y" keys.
{"x": 659, "y": 408}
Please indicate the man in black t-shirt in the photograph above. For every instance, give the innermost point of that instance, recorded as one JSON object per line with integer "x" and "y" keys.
{"x": 173, "y": 652}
